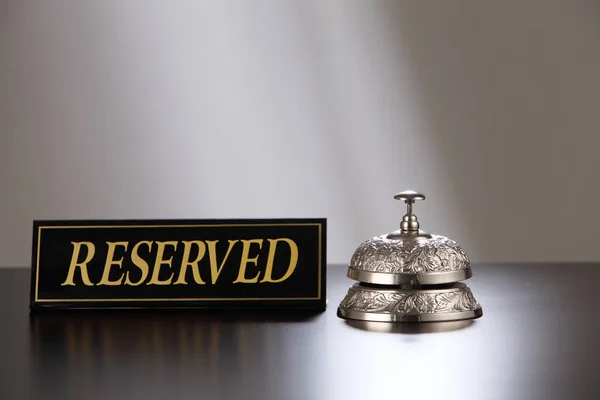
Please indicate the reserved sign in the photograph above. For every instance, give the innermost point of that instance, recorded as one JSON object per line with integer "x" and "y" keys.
{"x": 260, "y": 264}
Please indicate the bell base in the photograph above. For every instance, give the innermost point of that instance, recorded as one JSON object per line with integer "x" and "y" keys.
{"x": 389, "y": 304}
{"x": 378, "y": 317}
{"x": 386, "y": 278}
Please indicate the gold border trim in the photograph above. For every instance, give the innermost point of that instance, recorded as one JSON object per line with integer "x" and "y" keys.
{"x": 39, "y": 241}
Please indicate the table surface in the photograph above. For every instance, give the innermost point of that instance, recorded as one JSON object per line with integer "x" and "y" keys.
{"x": 539, "y": 338}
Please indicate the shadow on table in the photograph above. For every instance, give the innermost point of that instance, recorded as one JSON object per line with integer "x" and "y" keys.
{"x": 106, "y": 330}
{"x": 149, "y": 350}
{"x": 410, "y": 327}
{"x": 191, "y": 314}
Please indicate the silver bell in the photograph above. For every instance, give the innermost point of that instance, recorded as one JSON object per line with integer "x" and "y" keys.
{"x": 409, "y": 276}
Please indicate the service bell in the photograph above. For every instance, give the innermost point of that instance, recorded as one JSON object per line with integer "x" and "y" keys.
{"x": 409, "y": 275}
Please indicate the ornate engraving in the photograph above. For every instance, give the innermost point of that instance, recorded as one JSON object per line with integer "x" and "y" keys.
{"x": 438, "y": 254}
{"x": 360, "y": 299}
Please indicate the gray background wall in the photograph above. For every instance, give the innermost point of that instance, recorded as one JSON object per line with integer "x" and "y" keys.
{"x": 208, "y": 109}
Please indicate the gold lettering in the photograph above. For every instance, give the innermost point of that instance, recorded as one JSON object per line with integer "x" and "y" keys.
{"x": 160, "y": 261}
{"x": 212, "y": 253}
{"x": 139, "y": 262}
{"x": 194, "y": 264}
{"x": 91, "y": 249}
{"x": 110, "y": 261}
{"x": 291, "y": 265}
{"x": 245, "y": 260}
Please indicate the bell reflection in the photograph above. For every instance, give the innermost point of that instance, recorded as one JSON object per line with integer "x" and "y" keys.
{"x": 437, "y": 327}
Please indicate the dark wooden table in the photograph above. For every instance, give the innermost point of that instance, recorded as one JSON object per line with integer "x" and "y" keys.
{"x": 539, "y": 338}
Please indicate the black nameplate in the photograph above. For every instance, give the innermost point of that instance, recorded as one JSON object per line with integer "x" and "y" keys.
{"x": 222, "y": 264}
